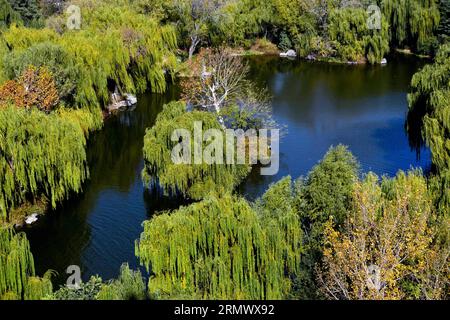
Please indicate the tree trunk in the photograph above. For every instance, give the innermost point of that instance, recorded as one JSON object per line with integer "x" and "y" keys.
{"x": 194, "y": 43}
{"x": 191, "y": 51}
{"x": 219, "y": 117}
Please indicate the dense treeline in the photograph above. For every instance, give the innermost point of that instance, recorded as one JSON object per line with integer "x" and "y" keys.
{"x": 41, "y": 156}
{"x": 333, "y": 29}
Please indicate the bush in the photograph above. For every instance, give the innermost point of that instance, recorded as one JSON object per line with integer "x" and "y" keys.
{"x": 86, "y": 291}
{"x": 129, "y": 286}
{"x": 285, "y": 43}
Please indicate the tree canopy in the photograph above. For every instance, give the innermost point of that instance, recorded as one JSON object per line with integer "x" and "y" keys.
{"x": 17, "y": 275}
{"x": 192, "y": 180}
{"x": 220, "y": 248}
{"x": 429, "y": 101}
{"x": 386, "y": 249}
{"x": 41, "y": 156}
{"x": 114, "y": 44}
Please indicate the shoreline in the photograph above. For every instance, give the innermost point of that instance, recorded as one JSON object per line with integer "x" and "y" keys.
{"x": 41, "y": 208}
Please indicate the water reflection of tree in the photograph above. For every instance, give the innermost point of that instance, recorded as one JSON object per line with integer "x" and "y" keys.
{"x": 116, "y": 152}
{"x": 344, "y": 81}
{"x": 321, "y": 90}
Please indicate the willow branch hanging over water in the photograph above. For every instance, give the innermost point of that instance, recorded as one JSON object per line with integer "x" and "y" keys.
{"x": 429, "y": 100}
{"x": 412, "y": 21}
{"x": 40, "y": 156}
{"x": 17, "y": 275}
{"x": 221, "y": 249}
{"x": 192, "y": 180}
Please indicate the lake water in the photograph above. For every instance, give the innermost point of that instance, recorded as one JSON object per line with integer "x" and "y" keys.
{"x": 363, "y": 107}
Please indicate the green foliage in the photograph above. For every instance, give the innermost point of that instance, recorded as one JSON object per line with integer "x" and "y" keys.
{"x": 39, "y": 288}
{"x": 220, "y": 249}
{"x": 155, "y": 8}
{"x": 430, "y": 95}
{"x": 17, "y": 277}
{"x": 325, "y": 28}
{"x": 387, "y": 230}
{"x": 50, "y": 55}
{"x": 240, "y": 22}
{"x": 129, "y": 286}
{"x": 16, "y": 262}
{"x": 326, "y": 193}
{"x": 352, "y": 38}
{"x": 115, "y": 45}
{"x": 41, "y": 156}
{"x": 285, "y": 42}
{"x": 86, "y": 291}
{"x": 294, "y": 17}
{"x": 412, "y": 22}
{"x": 7, "y": 14}
{"x": 28, "y": 10}
{"x": 444, "y": 25}
{"x": 192, "y": 180}
{"x": 430, "y": 100}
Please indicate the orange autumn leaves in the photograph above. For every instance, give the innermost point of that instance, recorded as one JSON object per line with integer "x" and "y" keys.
{"x": 34, "y": 88}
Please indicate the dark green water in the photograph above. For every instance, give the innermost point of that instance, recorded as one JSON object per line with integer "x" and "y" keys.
{"x": 322, "y": 104}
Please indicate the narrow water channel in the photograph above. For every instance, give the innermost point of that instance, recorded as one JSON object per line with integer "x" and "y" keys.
{"x": 363, "y": 107}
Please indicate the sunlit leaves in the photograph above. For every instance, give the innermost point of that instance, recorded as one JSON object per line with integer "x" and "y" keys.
{"x": 17, "y": 278}
{"x": 430, "y": 100}
{"x": 221, "y": 249}
{"x": 115, "y": 44}
{"x": 386, "y": 248}
{"x": 41, "y": 156}
{"x": 192, "y": 180}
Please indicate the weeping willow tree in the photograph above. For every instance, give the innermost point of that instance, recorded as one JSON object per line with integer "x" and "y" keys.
{"x": 40, "y": 156}
{"x": 191, "y": 180}
{"x": 115, "y": 45}
{"x": 429, "y": 101}
{"x": 353, "y": 40}
{"x": 221, "y": 248}
{"x": 412, "y": 22}
{"x": 129, "y": 286}
{"x": 17, "y": 275}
